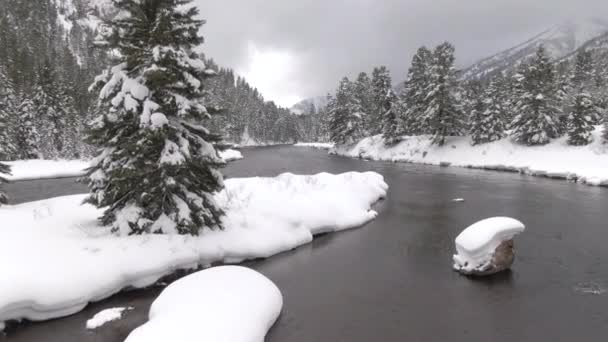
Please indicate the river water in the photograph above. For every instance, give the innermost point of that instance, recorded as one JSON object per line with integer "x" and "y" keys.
{"x": 392, "y": 280}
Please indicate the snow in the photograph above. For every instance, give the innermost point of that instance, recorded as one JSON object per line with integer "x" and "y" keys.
{"x": 65, "y": 259}
{"x": 230, "y": 155}
{"x": 227, "y": 303}
{"x": 36, "y": 169}
{"x": 585, "y": 164}
{"x": 106, "y": 316}
{"x": 23, "y": 170}
{"x": 321, "y": 146}
{"x": 476, "y": 244}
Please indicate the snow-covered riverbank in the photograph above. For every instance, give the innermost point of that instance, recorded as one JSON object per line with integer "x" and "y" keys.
{"x": 60, "y": 259}
{"x": 22, "y": 170}
{"x": 585, "y": 164}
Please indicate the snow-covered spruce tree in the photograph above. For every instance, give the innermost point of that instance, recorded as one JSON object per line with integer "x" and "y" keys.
{"x": 158, "y": 168}
{"x": 536, "y": 121}
{"x": 581, "y": 120}
{"x": 51, "y": 114}
{"x": 27, "y": 138}
{"x": 488, "y": 115}
{"x": 7, "y": 111}
{"x": 345, "y": 115}
{"x": 385, "y": 102}
{"x": 443, "y": 116}
{"x": 363, "y": 91}
{"x": 415, "y": 92}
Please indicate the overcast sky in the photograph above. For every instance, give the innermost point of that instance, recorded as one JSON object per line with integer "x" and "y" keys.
{"x": 294, "y": 49}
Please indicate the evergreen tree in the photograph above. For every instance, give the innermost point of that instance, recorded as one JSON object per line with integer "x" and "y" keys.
{"x": 414, "y": 97}
{"x": 158, "y": 168}
{"x": 536, "y": 122}
{"x": 345, "y": 115}
{"x": 488, "y": 115}
{"x": 385, "y": 102}
{"x": 443, "y": 116}
{"x": 580, "y": 120}
{"x": 365, "y": 95}
{"x": 27, "y": 140}
{"x": 7, "y": 109}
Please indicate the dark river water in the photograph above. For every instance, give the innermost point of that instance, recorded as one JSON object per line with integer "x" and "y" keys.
{"x": 392, "y": 280}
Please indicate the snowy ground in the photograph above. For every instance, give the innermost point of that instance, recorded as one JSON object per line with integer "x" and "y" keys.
{"x": 40, "y": 169}
{"x": 62, "y": 259}
{"x": 585, "y": 164}
{"x": 321, "y": 146}
{"x": 227, "y": 303}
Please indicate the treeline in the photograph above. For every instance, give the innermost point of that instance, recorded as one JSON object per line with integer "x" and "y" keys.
{"x": 539, "y": 101}
{"x": 48, "y": 60}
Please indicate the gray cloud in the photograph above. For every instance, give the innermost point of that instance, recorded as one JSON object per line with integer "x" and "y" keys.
{"x": 331, "y": 39}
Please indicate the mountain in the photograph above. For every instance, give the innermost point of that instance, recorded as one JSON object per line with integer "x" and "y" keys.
{"x": 311, "y": 105}
{"x": 560, "y": 41}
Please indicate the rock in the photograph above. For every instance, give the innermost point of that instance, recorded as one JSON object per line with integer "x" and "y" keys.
{"x": 487, "y": 247}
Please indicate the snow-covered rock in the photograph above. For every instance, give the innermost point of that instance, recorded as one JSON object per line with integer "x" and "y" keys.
{"x": 230, "y": 155}
{"x": 486, "y": 247}
{"x": 321, "y": 146}
{"x": 106, "y": 316}
{"x": 585, "y": 164}
{"x": 227, "y": 303}
{"x": 61, "y": 259}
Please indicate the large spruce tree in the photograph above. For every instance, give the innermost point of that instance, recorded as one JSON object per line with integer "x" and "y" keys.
{"x": 345, "y": 115}
{"x": 385, "y": 102}
{"x": 414, "y": 96}
{"x": 443, "y": 115}
{"x": 581, "y": 119}
{"x": 537, "y": 119}
{"x": 487, "y": 118}
{"x": 158, "y": 168}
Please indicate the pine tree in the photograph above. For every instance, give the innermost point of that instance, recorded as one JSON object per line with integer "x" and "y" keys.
{"x": 536, "y": 122}
{"x": 414, "y": 97}
{"x": 28, "y": 138}
{"x": 443, "y": 116}
{"x": 158, "y": 168}
{"x": 7, "y": 109}
{"x": 488, "y": 115}
{"x": 385, "y": 101}
{"x": 345, "y": 115}
{"x": 363, "y": 92}
{"x": 580, "y": 120}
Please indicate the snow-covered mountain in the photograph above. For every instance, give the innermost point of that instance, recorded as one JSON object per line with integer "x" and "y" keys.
{"x": 560, "y": 41}
{"x": 307, "y": 106}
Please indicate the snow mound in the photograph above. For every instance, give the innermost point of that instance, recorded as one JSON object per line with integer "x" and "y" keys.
{"x": 230, "y": 155}
{"x": 76, "y": 261}
{"x": 584, "y": 164}
{"x": 37, "y": 169}
{"x": 228, "y": 303}
{"x": 106, "y": 316}
{"x": 321, "y": 146}
{"x": 476, "y": 244}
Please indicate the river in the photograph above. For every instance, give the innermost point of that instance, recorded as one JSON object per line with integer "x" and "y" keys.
{"x": 392, "y": 280}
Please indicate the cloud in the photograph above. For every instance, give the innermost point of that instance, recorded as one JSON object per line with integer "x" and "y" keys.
{"x": 327, "y": 40}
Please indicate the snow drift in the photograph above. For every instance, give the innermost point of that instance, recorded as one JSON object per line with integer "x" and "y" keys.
{"x": 22, "y": 170}
{"x": 106, "y": 316}
{"x": 320, "y": 146}
{"x": 228, "y": 303}
{"x": 58, "y": 258}
{"x": 476, "y": 244}
{"x": 585, "y": 164}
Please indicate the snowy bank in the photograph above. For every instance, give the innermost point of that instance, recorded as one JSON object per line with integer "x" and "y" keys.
{"x": 106, "y": 316}
{"x": 230, "y": 155}
{"x": 37, "y": 169}
{"x": 227, "y": 303}
{"x": 585, "y": 164}
{"x": 22, "y": 170}
{"x": 477, "y": 245}
{"x": 320, "y": 146}
{"x": 61, "y": 259}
